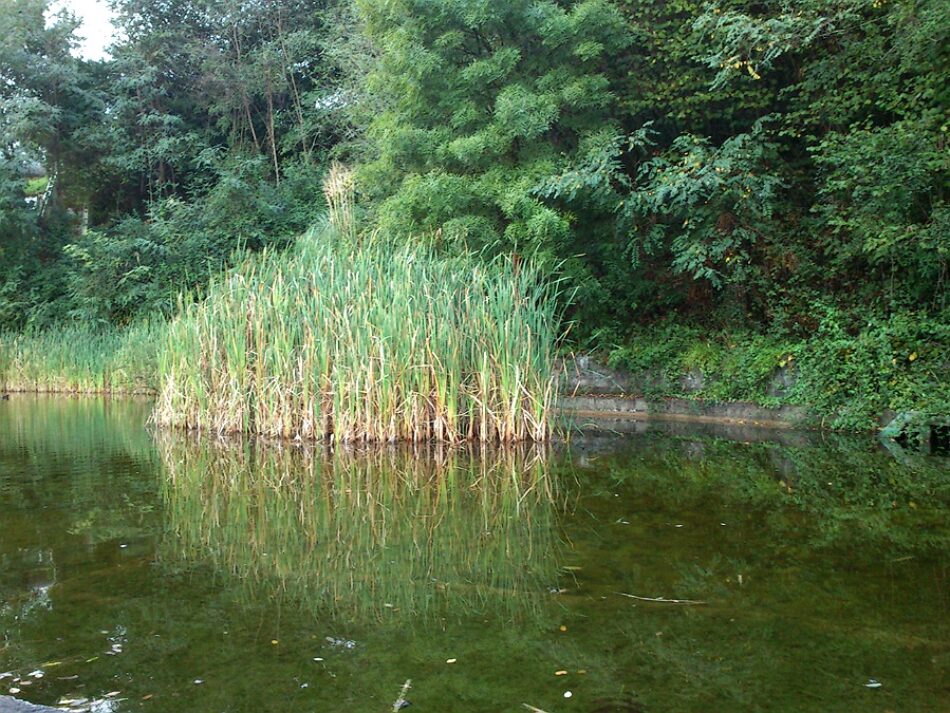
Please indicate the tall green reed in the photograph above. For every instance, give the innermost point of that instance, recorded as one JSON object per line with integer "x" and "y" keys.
{"x": 80, "y": 359}
{"x": 365, "y": 340}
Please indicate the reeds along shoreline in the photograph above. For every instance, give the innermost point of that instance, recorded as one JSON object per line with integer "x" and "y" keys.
{"x": 369, "y": 534}
{"x": 80, "y": 359}
{"x": 367, "y": 341}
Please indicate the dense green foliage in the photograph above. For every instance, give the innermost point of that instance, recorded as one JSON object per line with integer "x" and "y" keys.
{"x": 731, "y": 162}
{"x": 486, "y": 103}
{"x": 849, "y": 379}
{"x": 776, "y": 170}
{"x": 190, "y": 145}
{"x": 815, "y": 168}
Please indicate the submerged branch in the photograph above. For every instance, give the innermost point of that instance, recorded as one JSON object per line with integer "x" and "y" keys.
{"x": 401, "y": 701}
{"x": 660, "y": 600}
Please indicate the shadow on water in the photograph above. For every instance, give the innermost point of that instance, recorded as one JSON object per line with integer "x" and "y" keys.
{"x": 159, "y": 572}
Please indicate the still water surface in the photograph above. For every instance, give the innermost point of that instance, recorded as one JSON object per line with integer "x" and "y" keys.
{"x": 144, "y": 571}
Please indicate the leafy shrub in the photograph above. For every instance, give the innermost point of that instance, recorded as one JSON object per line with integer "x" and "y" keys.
{"x": 849, "y": 371}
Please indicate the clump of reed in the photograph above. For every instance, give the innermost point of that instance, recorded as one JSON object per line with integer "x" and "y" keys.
{"x": 365, "y": 340}
{"x": 338, "y": 188}
{"x": 379, "y": 533}
{"x": 81, "y": 359}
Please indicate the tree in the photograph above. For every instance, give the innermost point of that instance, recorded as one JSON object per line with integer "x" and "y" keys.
{"x": 486, "y": 103}
{"x": 45, "y": 103}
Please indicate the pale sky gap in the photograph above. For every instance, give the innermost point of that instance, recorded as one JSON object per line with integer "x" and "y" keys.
{"x": 96, "y": 31}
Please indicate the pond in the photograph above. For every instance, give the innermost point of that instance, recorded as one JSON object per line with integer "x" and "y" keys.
{"x": 150, "y": 571}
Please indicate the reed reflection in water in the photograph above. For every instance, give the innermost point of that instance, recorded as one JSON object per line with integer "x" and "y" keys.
{"x": 369, "y": 534}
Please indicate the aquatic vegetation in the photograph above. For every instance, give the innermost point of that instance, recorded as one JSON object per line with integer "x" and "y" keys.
{"x": 365, "y": 340}
{"x": 79, "y": 359}
{"x": 382, "y": 533}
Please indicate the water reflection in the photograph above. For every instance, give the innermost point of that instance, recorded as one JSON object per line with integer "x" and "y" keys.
{"x": 68, "y": 469}
{"x": 131, "y": 569}
{"x": 41, "y": 433}
{"x": 825, "y": 492}
{"x": 378, "y": 534}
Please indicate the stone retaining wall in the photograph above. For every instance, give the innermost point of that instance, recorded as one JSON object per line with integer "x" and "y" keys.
{"x": 591, "y": 388}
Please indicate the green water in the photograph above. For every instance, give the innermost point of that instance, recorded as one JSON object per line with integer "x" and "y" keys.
{"x": 145, "y": 571}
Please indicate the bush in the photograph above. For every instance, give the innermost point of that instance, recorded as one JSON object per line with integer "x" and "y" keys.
{"x": 849, "y": 371}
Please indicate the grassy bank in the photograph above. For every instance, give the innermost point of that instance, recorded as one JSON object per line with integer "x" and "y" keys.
{"x": 372, "y": 342}
{"x": 80, "y": 359}
{"x": 848, "y": 374}
{"x": 365, "y": 341}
